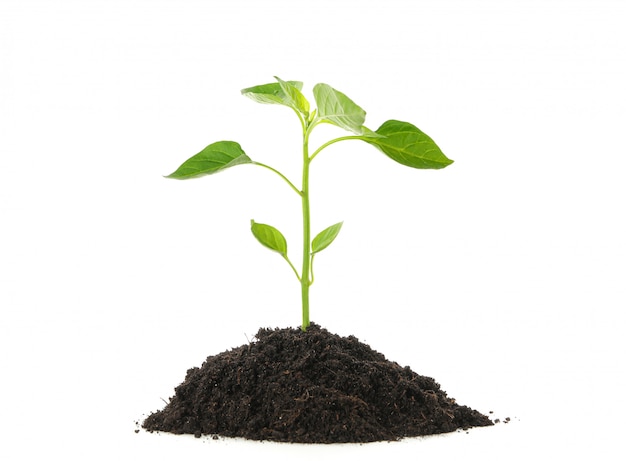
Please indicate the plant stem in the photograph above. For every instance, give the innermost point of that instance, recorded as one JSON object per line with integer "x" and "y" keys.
{"x": 305, "y": 280}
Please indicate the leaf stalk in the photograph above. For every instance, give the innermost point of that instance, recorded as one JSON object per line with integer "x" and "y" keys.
{"x": 298, "y": 191}
{"x": 331, "y": 142}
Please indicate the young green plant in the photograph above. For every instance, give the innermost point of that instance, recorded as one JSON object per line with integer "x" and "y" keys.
{"x": 400, "y": 141}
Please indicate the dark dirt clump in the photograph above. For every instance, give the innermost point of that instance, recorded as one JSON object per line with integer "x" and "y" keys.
{"x": 313, "y": 387}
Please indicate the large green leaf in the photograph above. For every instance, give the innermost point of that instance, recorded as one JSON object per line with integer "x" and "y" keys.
{"x": 408, "y": 145}
{"x": 367, "y": 133}
{"x": 285, "y": 93}
{"x": 270, "y": 237}
{"x": 213, "y": 158}
{"x": 325, "y": 238}
{"x": 335, "y": 107}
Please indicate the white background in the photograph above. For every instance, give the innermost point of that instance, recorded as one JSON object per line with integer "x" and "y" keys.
{"x": 501, "y": 276}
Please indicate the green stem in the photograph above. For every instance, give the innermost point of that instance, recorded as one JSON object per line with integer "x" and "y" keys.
{"x": 305, "y": 280}
{"x": 279, "y": 174}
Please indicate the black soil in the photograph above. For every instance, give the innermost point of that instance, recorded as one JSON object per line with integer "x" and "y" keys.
{"x": 309, "y": 387}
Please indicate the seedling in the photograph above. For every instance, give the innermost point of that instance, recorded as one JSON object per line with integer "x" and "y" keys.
{"x": 400, "y": 141}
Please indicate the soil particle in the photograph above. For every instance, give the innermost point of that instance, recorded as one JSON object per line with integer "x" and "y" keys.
{"x": 309, "y": 387}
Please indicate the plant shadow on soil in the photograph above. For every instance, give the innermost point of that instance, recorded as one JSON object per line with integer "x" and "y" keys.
{"x": 309, "y": 387}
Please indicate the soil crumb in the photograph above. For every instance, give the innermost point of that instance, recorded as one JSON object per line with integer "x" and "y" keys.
{"x": 309, "y": 387}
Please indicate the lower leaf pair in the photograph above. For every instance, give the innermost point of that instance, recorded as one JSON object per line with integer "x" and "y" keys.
{"x": 272, "y": 238}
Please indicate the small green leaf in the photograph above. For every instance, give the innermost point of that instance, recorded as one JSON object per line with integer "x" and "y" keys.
{"x": 271, "y": 93}
{"x": 294, "y": 98}
{"x": 213, "y": 158}
{"x": 270, "y": 237}
{"x": 408, "y": 145}
{"x": 285, "y": 93}
{"x": 325, "y": 238}
{"x": 335, "y": 107}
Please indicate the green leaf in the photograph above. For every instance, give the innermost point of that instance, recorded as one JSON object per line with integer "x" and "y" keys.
{"x": 325, "y": 238}
{"x": 213, "y": 158}
{"x": 408, "y": 145}
{"x": 271, "y": 93}
{"x": 283, "y": 93}
{"x": 270, "y": 237}
{"x": 335, "y": 107}
{"x": 367, "y": 133}
{"x": 294, "y": 98}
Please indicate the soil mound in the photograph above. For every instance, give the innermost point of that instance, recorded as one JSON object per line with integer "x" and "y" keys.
{"x": 313, "y": 387}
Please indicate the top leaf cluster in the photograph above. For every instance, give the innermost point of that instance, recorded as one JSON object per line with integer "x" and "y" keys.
{"x": 400, "y": 141}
